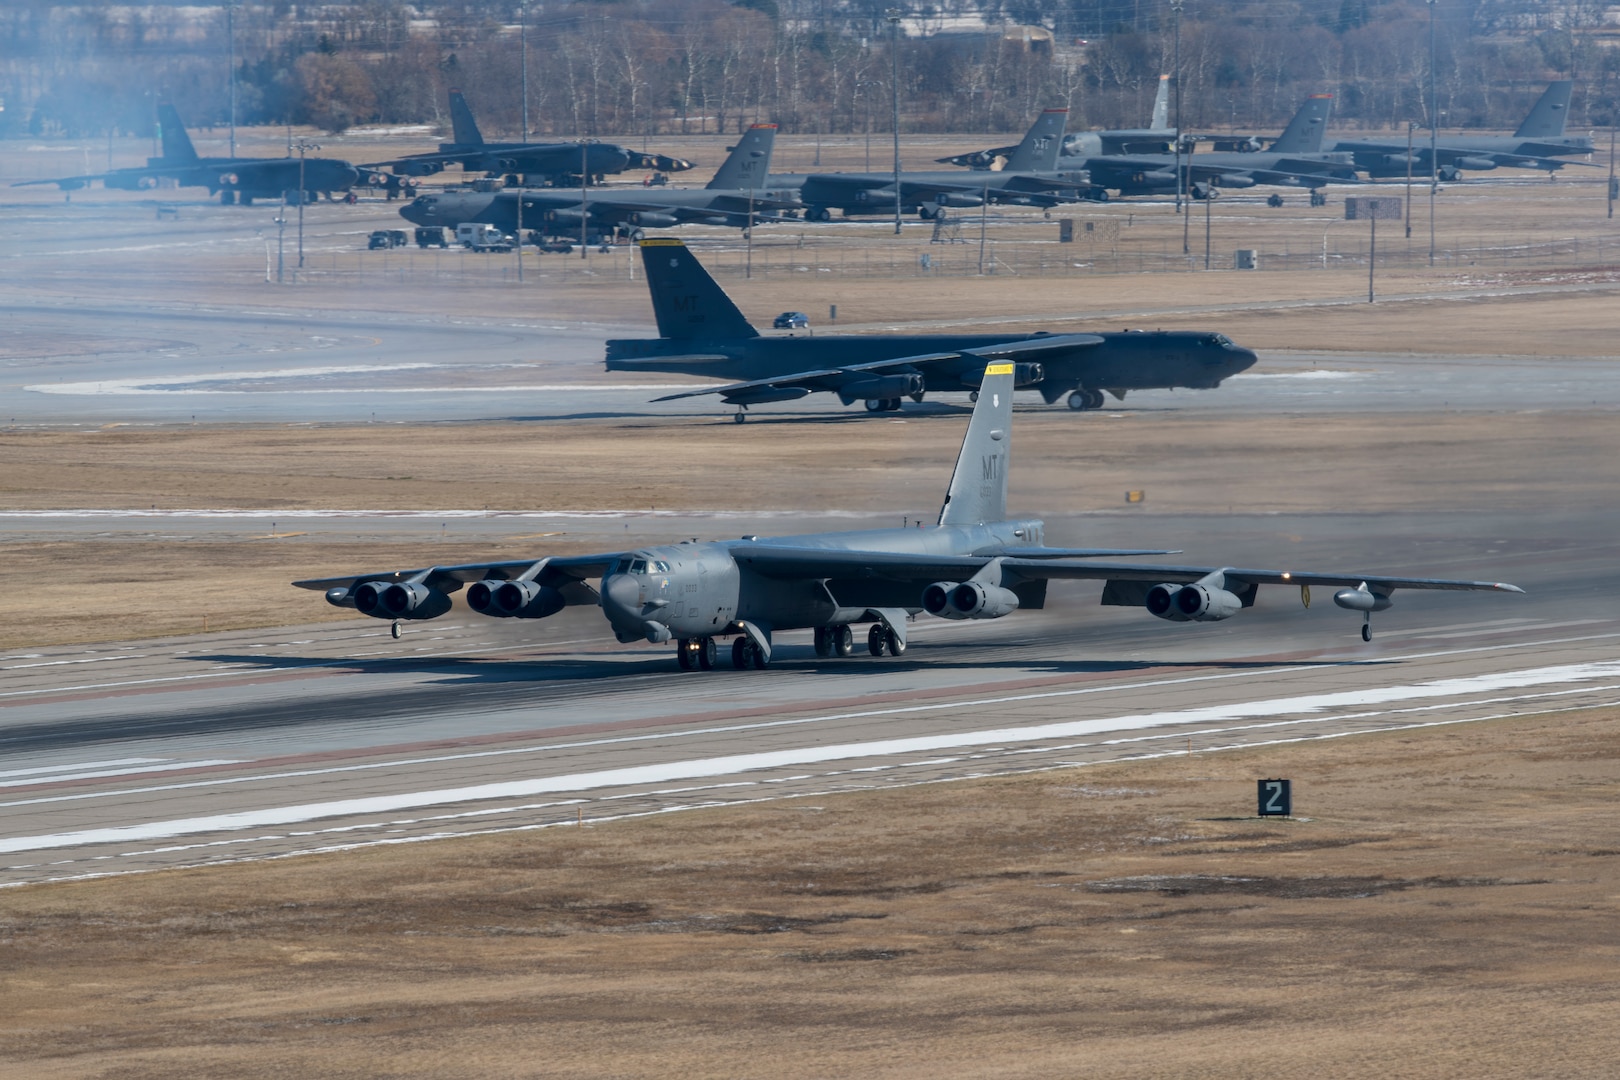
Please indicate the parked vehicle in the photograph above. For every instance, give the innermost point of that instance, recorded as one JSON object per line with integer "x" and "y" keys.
{"x": 791, "y": 320}
{"x": 387, "y": 238}
{"x": 431, "y": 236}
{"x": 480, "y": 237}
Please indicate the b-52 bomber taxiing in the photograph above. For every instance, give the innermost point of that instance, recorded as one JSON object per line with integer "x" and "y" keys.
{"x": 701, "y": 332}
{"x": 974, "y": 564}
{"x": 234, "y": 180}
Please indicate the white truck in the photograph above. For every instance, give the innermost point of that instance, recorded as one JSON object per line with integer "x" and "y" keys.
{"x": 478, "y": 237}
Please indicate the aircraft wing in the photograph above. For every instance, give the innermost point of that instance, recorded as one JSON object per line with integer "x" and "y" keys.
{"x": 830, "y": 379}
{"x": 560, "y": 572}
{"x": 796, "y": 562}
{"x": 1151, "y": 574}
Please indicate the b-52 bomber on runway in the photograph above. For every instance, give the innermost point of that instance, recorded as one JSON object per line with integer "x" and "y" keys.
{"x": 701, "y": 332}
{"x": 545, "y": 161}
{"x": 234, "y": 180}
{"x": 974, "y": 564}
{"x": 735, "y": 197}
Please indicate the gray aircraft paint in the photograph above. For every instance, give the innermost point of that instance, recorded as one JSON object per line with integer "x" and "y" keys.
{"x": 702, "y": 332}
{"x": 974, "y": 564}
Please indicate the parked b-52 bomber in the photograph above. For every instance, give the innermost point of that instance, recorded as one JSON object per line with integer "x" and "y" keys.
{"x": 701, "y": 332}
{"x": 1539, "y": 143}
{"x": 974, "y": 564}
{"x": 735, "y": 197}
{"x": 234, "y": 180}
{"x": 1157, "y": 138}
{"x": 1296, "y": 159}
{"x": 560, "y": 162}
{"x": 1027, "y": 180}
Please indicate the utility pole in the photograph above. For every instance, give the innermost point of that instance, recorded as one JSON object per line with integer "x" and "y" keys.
{"x": 281, "y": 239}
{"x": 523, "y": 49}
{"x": 520, "y": 233}
{"x": 584, "y": 205}
{"x": 230, "y": 34}
{"x": 1410, "y": 127}
{"x": 1186, "y": 219}
{"x": 1209, "y": 197}
{"x": 894, "y": 83}
{"x": 1612, "y": 185}
{"x": 1175, "y": 68}
{"x": 1434, "y": 134}
{"x": 303, "y": 146}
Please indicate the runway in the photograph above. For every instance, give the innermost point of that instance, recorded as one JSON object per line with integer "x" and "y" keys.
{"x": 181, "y": 752}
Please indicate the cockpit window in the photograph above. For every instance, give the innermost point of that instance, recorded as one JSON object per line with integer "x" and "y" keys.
{"x": 1218, "y": 339}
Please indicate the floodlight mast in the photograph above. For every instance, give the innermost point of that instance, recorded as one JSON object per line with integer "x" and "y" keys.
{"x": 893, "y": 15}
{"x": 1434, "y": 134}
{"x": 1175, "y": 8}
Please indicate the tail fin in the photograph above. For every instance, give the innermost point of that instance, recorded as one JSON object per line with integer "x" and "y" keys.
{"x": 1549, "y": 114}
{"x": 1161, "y": 106}
{"x": 1042, "y": 143}
{"x": 687, "y": 302}
{"x": 177, "y": 146}
{"x": 749, "y": 161}
{"x": 464, "y": 129}
{"x": 1303, "y": 135}
{"x": 978, "y": 491}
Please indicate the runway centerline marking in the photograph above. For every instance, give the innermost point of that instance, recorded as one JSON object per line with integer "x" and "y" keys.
{"x": 733, "y": 764}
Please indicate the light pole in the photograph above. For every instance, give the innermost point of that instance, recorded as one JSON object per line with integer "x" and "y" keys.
{"x": 894, "y": 83}
{"x": 230, "y": 34}
{"x": 1410, "y": 127}
{"x": 1175, "y": 68}
{"x": 1434, "y": 134}
{"x": 303, "y": 146}
{"x": 523, "y": 49}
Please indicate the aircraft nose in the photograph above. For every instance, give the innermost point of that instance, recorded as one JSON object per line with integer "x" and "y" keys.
{"x": 413, "y": 213}
{"x": 1242, "y": 360}
{"x": 621, "y": 601}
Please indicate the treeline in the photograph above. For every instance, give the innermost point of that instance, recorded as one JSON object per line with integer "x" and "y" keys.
{"x": 629, "y": 68}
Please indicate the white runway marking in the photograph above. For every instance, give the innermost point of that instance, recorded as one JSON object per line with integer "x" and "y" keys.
{"x": 98, "y": 774}
{"x": 110, "y": 764}
{"x": 667, "y": 772}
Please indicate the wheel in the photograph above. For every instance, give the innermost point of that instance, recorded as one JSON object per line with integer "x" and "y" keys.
{"x": 1094, "y": 399}
{"x": 683, "y": 654}
{"x": 739, "y": 653}
{"x": 824, "y": 645}
{"x": 877, "y": 404}
{"x": 894, "y": 405}
{"x": 896, "y": 646}
{"x": 1077, "y": 401}
{"x": 395, "y": 630}
{"x": 818, "y": 213}
{"x": 877, "y": 639}
{"x": 705, "y": 654}
{"x": 1366, "y": 631}
{"x": 925, "y": 213}
{"x": 757, "y": 657}
{"x": 843, "y": 640}
{"x": 638, "y": 235}
{"x": 740, "y": 418}
{"x": 973, "y": 395}
{"x": 1274, "y": 201}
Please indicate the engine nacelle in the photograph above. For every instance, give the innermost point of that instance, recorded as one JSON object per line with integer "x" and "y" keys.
{"x": 1161, "y": 601}
{"x": 1203, "y": 603}
{"x": 515, "y": 599}
{"x": 227, "y": 179}
{"x": 976, "y": 600}
{"x": 936, "y": 600}
{"x": 1478, "y": 164}
{"x": 958, "y": 199}
{"x": 763, "y": 395}
{"x": 1362, "y": 600}
{"x": 563, "y": 219}
{"x": 396, "y": 600}
{"x": 653, "y": 220}
{"x": 887, "y": 386}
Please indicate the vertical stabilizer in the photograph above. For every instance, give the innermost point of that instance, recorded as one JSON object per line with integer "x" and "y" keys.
{"x": 749, "y": 162}
{"x": 1303, "y": 135}
{"x": 464, "y": 129}
{"x": 1161, "y": 106}
{"x": 1042, "y": 143}
{"x": 1549, "y": 114}
{"x": 177, "y": 148}
{"x": 686, "y": 301}
{"x": 978, "y": 491}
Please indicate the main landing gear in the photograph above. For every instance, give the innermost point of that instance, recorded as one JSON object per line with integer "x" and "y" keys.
{"x": 1082, "y": 400}
{"x": 745, "y": 654}
{"x": 880, "y": 639}
{"x": 695, "y": 654}
{"x": 834, "y": 641}
{"x": 887, "y": 404}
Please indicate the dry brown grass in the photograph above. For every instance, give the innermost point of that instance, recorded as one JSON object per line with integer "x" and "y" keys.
{"x": 1446, "y": 910}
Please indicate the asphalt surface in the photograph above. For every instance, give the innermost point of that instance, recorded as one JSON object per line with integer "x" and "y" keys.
{"x": 133, "y": 756}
